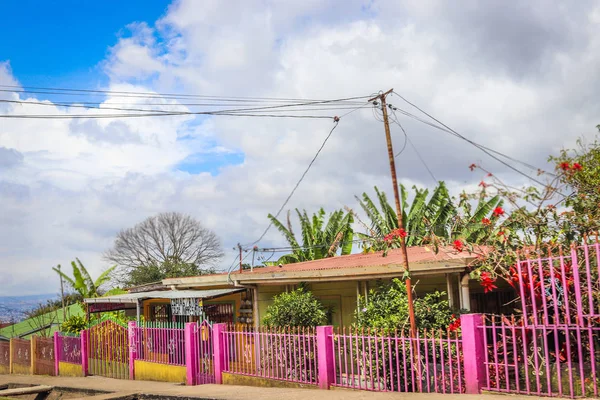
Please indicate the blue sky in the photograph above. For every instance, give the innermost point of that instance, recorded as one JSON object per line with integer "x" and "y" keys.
{"x": 502, "y": 73}
{"x": 61, "y": 43}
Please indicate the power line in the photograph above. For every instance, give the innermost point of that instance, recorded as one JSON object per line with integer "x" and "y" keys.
{"x": 408, "y": 114}
{"x": 131, "y": 94}
{"x": 166, "y": 114}
{"x": 257, "y": 110}
{"x": 482, "y": 148}
{"x": 406, "y": 138}
{"x": 336, "y": 121}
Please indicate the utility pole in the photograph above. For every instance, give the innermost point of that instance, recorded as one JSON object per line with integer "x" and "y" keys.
{"x": 62, "y": 294}
{"x": 240, "y": 248}
{"x": 388, "y": 138}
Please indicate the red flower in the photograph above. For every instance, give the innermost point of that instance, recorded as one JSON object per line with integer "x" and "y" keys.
{"x": 485, "y": 221}
{"x": 458, "y": 245}
{"x": 483, "y": 184}
{"x": 454, "y": 323}
{"x": 489, "y": 174}
{"x": 472, "y": 167}
{"x": 400, "y": 233}
{"x": 498, "y": 211}
{"x": 576, "y": 167}
{"x": 487, "y": 282}
{"x": 394, "y": 234}
{"x": 565, "y": 166}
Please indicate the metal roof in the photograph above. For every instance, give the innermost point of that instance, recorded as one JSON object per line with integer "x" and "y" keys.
{"x": 163, "y": 294}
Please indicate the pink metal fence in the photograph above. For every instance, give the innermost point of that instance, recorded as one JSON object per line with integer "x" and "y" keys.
{"x": 378, "y": 361}
{"x": 69, "y": 349}
{"x": 288, "y": 354}
{"x": 160, "y": 343}
{"x": 553, "y": 348}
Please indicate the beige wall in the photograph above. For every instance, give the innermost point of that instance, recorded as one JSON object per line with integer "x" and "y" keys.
{"x": 342, "y": 295}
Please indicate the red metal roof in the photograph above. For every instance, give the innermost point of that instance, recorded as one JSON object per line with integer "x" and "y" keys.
{"x": 416, "y": 255}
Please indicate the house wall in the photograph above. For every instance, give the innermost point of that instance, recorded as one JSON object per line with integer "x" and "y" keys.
{"x": 342, "y": 295}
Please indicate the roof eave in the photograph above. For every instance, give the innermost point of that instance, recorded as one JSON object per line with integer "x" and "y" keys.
{"x": 345, "y": 274}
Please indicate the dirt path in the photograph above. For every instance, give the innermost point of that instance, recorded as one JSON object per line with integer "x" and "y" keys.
{"x": 229, "y": 392}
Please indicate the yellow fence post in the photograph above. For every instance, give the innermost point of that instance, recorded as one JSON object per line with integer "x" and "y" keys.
{"x": 11, "y": 357}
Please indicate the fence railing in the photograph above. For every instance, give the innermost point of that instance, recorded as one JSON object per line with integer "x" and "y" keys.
{"x": 69, "y": 348}
{"x": 288, "y": 354}
{"x": 379, "y": 361}
{"x": 160, "y": 344}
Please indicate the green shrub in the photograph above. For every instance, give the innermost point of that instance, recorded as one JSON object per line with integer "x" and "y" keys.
{"x": 387, "y": 309}
{"x": 295, "y": 308}
{"x": 74, "y": 324}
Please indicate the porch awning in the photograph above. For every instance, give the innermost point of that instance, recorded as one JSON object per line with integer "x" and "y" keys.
{"x": 133, "y": 298}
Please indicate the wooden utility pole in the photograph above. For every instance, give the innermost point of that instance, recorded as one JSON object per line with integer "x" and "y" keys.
{"x": 240, "y": 248}
{"x": 62, "y": 294}
{"x": 388, "y": 138}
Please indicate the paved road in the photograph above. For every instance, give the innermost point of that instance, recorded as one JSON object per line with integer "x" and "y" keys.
{"x": 230, "y": 392}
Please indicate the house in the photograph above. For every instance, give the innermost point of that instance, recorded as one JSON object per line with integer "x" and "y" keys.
{"x": 339, "y": 281}
{"x": 243, "y": 297}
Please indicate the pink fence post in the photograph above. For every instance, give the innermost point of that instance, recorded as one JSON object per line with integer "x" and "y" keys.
{"x": 325, "y": 355}
{"x": 219, "y": 351}
{"x": 191, "y": 361}
{"x": 131, "y": 328}
{"x": 56, "y": 353}
{"x": 84, "y": 352}
{"x": 474, "y": 351}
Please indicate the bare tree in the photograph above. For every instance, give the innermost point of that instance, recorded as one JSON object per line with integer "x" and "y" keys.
{"x": 164, "y": 239}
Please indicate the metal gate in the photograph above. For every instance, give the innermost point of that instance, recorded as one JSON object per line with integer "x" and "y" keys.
{"x": 204, "y": 355}
{"x": 108, "y": 349}
{"x": 553, "y": 347}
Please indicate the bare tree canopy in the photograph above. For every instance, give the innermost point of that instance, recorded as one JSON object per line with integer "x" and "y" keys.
{"x": 163, "y": 240}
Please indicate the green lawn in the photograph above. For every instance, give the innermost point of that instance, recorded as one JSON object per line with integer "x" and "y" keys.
{"x": 54, "y": 317}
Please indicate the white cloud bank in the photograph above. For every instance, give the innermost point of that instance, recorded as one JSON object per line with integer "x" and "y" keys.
{"x": 519, "y": 77}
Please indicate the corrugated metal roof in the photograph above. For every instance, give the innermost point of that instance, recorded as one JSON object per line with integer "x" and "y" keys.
{"x": 163, "y": 294}
{"x": 416, "y": 255}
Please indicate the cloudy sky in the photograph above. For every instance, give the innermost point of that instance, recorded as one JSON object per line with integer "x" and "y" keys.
{"x": 522, "y": 77}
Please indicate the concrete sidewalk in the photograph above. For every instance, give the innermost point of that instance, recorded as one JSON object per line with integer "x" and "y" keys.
{"x": 228, "y": 392}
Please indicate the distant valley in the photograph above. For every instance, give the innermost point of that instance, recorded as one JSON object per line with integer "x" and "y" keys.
{"x": 13, "y": 308}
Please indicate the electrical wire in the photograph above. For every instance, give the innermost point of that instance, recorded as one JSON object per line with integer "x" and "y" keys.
{"x": 406, "y": 138}
{"x": 297, "y": 184}
{"x": 454, "y": 133}
{"x": 81, "y": 92}
{"x": 474, "y": 144}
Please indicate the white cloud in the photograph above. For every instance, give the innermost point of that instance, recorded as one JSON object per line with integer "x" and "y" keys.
{"x": 77, "y": 182}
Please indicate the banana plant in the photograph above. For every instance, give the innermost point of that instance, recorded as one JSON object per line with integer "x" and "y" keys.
{"x": 319, "y": 239}
{"x": 426, "y": 218}
{"x": 82, "y": 281}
